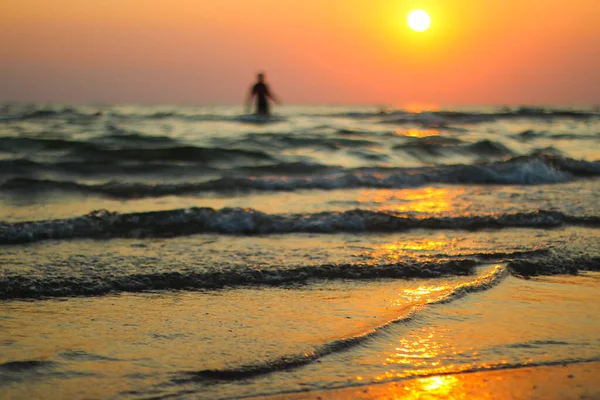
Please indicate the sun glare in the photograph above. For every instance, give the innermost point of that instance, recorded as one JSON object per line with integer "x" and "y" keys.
{"x": 419, "y": 20}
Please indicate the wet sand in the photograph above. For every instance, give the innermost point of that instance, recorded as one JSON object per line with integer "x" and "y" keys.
{"x": 572, "y": 381}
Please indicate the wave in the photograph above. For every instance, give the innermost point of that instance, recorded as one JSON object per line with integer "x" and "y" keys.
{"x": 531, "y": 135}
{"x": 575, "y": 167}
{"x": 291, "y": 168}
{"x": 15, "y": 286}
{"x": 134, "y": 138}
{"x": 45, "y": 113}
{"x": 26, "y": 365}
{"x": 438, "y": 145}
{"x": 288, "y": 363}
{"x": 199, "y": 155}
{"x": 32, "y": 113}
{"x": 522, "y": 170}
{"x": 19, "y": 170}
{"x": 199, "y": 117}
{"x": 204, "y": 117}
{"x": 237, "y": 221}
{"x": 292, "y": 361}
{"x": 428, "y": 118}
{"x": 537, "y": 266}
{"x": 91, "y": 151}
{"x": 297, "y": 360}
{"x": 442, "y": 118}
{"x": 279, "y": 141}
{"x": 520, "y": 264}
{"x": 20, "y": 144}
{"x": 25, "y": 370}
{"x": 22, "y": 371}
{"x": 30, "y": 144}
{"x": 74, "y": 115}
{"x": 120, "y": 135}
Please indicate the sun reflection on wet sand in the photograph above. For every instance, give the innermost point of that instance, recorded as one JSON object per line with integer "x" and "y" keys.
{"x": 422, "y": 355}
{"x": 418, "y": 357}
{"x": 438, "y": 385}
{"x": 578, "y": 381}
{"x": 481, "y": 349}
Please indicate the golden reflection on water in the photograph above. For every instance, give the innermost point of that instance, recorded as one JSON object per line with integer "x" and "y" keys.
{"x": 394, "y": 252}
{"x": 437, "y": 386}
{"x": 429, "y": 200}
{"x": 424, "y": 294}
{"x": 417, "y": 108}
{"x": 417, "y": 133}
{"x": 416, "y": 357}
{"x": 422, "y": 354}
{"x": 416, "y": 353}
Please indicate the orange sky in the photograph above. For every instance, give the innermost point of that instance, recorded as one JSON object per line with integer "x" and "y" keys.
{"x": 313, "y": 51}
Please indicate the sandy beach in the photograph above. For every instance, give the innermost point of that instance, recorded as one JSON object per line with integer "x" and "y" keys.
{"x": 564, "y": 382}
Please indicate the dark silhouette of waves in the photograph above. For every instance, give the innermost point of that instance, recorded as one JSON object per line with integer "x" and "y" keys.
{"x": 236, "y": 221}
{"x": 519, "y": 264}
{"x": 91, "y": 151}
{"x": 282, "y": 177}
{"x": 396, "y": 116}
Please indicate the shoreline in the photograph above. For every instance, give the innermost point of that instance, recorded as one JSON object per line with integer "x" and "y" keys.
{"x": 569, "y": 381}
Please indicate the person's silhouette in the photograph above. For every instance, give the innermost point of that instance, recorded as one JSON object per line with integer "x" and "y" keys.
{"x": 263, "y": 95}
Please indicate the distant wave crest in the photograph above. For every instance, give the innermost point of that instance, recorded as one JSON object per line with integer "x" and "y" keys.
{"x": 386, "y": 116}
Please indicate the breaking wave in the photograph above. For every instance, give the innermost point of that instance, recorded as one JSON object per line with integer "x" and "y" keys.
{"x": 437, "y": 145}
{"x": 524, "y": 170}
{"x": 520, "y": 264}
{"x": 237, "y": 221}
{"x": 16, "y": 286}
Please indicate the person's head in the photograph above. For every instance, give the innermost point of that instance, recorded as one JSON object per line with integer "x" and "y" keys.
{"x": 261, "y": 77}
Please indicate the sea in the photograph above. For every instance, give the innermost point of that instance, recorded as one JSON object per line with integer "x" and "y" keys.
{"x": 153, "y": 252}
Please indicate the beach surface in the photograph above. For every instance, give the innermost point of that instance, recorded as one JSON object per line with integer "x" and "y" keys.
{"x": 559, "y": 382}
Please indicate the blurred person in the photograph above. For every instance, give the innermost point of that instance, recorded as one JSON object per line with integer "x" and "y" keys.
{"x": 263, "y": 94}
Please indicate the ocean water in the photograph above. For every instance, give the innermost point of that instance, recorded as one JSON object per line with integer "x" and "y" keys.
{"x": 193, "y": 252}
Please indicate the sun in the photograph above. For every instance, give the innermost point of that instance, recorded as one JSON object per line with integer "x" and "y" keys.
{"x": 419, "y": 20}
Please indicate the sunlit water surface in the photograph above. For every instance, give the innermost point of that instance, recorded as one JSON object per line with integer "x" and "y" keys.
{"x": 195, "y": 253}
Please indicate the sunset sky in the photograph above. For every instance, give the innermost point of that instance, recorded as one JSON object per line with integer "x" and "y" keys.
{"x": 313, "y": 51}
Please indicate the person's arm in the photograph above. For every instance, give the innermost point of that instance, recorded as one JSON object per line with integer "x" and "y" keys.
{"x": 273, "y": 97}
{"x": 249, "y": 98}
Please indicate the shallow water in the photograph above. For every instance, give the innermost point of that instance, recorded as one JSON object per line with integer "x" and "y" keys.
{"x": 191, "y": 252}
{"x": 239, "y": 341}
